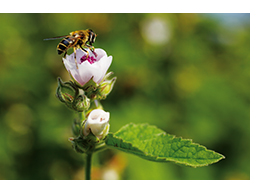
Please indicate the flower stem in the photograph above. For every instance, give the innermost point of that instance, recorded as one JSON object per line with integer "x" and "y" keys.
{"x": 82, "y": 115}
{"x": 88, "y": 166}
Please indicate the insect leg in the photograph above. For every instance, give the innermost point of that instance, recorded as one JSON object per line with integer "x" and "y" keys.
{"x": 84, "y": 51}
{"x": 75, "y": 57}
{"x": 65, "y": 54}
{"x": 92, "y": 49}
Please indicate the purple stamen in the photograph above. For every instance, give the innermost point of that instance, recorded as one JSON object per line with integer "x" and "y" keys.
{"x": 90, "y": 59}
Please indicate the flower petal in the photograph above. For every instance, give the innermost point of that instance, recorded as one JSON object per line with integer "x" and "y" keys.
{"x": 86, "y": 70}
{"x": 97, "y": 121}
{"x": 104, "y": 63}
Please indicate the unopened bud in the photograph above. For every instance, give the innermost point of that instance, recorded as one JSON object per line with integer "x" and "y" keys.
{"x": 97, "y": 123}
{"x": 81, "y": 103}
{"x": 66, "y": 91}
{"x": 106, "y": 86}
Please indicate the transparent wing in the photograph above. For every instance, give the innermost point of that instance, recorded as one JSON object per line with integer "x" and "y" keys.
{"x": 54, "y": 38}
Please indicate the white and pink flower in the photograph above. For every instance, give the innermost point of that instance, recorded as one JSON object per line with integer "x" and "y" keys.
{"x": 92, "y": 67}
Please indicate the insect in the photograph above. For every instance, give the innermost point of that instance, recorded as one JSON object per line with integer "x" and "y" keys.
{"x": 76, "y": 39}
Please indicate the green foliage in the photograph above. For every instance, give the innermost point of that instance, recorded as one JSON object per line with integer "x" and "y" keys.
{"x": 153, "y": 144}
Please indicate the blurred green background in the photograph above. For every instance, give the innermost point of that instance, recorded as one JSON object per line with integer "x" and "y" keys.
{"x": 189, "y": 74}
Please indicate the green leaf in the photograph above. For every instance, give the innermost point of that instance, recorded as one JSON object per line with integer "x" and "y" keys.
{"x": 153, "y": 144}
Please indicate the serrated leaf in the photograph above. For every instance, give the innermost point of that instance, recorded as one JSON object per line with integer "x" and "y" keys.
{"x": 154, "y": 144}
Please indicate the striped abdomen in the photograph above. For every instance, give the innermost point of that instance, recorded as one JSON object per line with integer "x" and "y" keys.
{"x": 64, "y": 45}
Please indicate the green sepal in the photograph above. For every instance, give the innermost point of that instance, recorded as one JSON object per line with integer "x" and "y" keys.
{"x": 87, "y": 144}
{"x": 81, "y": 145}
{"x": 89, "y": 86}
{"x": 153, "y": 144}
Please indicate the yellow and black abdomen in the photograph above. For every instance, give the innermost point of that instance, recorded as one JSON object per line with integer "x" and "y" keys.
{"x": 64, "y": 45}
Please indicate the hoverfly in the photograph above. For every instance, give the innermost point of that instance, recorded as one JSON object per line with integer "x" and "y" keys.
{"x": 76, "y": 39}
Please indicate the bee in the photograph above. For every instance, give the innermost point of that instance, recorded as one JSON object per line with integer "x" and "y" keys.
{"x": 76, "y": 39}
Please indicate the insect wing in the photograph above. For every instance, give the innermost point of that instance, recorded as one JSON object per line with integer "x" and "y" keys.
{"x": 54, "y": 38}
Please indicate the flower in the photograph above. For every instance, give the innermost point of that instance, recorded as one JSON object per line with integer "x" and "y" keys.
{"x": 92, "y": 67}
{"x": 98, "y": 123}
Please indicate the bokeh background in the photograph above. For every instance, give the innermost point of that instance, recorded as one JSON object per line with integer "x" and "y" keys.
{"x": 189, "y": 74}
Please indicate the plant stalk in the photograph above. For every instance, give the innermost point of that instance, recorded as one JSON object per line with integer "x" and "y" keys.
{"x": 88, "y": 166}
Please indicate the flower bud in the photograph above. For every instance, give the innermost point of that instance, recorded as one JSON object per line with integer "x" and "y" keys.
{"x": 66, "y": 92}
{"x": 82, "y": 145}
{"x": 106, "y": 86}
{"x": 98, "y": 123}
{"x": 81, "y": 103}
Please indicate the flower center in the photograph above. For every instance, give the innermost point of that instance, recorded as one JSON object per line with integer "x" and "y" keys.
{"x": 90, "y": 59}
